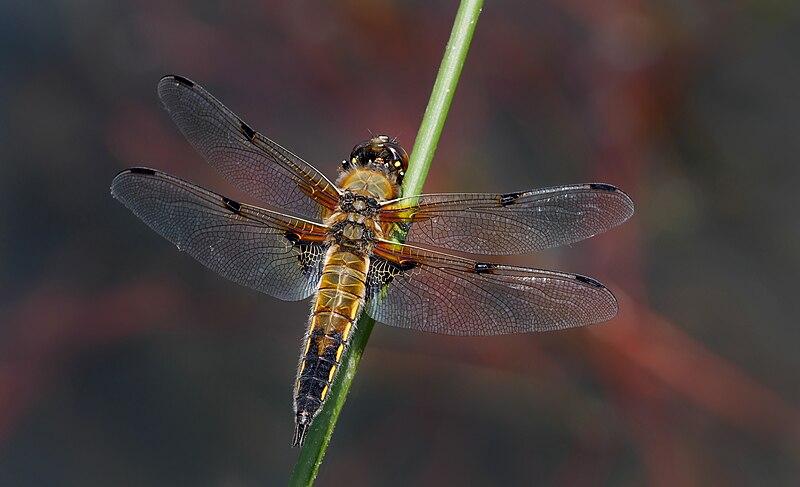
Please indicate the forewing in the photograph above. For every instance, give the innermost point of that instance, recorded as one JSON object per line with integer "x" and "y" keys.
{"x": 250, "y": 161}
{"x": 440, "y": 293}
{"x": 512, "y": 223}
{"x": 261, "y": 249}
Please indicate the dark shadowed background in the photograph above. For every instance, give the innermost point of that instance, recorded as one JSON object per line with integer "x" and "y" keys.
{"x": 123, "y": 362}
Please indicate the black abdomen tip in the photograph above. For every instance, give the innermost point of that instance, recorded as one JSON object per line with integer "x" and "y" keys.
{"x": 301, "y": 427}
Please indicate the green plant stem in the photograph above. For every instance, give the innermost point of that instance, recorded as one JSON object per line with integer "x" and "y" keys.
{"x": 312, "y": 453}
{"x": 441, "y": 96}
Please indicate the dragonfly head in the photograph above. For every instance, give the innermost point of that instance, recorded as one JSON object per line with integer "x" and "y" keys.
{"x": 380, "y": 152}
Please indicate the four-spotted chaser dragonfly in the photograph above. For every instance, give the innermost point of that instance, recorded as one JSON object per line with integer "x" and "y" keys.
{"x": 338, "y": 241}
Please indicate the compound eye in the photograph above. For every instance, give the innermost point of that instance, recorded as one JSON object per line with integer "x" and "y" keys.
{"x": 361, "y": 154}
{"x": 395, "y": 155}
{"x": 400, "y": 159}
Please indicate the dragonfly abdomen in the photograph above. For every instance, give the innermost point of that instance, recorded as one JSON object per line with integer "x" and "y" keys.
{"x": 336, "y": 308}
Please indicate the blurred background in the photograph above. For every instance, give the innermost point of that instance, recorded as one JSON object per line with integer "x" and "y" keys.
{"x": 124, "y": 362}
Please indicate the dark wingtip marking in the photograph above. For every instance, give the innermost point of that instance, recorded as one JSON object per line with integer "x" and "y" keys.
{"x": 603, "y": 187}
{"x": 508, "y": 198}
{"x": 589, "y": 281}
{"x": 141, "y": 170}
{"x": 183, "y": 81}
{"x": 232, "y": 205}
{"x": 484, "y": 267}
{"x": 248, "y": 132}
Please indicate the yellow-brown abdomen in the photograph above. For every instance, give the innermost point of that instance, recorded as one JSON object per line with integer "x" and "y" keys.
{"x": 336, "y": 308}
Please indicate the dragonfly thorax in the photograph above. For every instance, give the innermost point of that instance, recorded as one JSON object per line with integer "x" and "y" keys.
{"x": 353, "y": 225}
{"x": 356, "y": 203}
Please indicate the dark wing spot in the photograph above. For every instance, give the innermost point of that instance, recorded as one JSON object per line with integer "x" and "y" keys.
{"x": 407, "y": 265}
{"x": 183, "y": 81}
{"x": 292, "y": 237}
{"x": 232, "y": 205}
{"x": 309, "y": 255}
{"x": 589, "y": 281}
{"x": 382, "y": 272}
{"x": 141, "y": 170}
{"x": 509, "y": 198}
{"x": 603, "y": 187}
{"x": 484, "y": 268}
{"x": 248, "y": 132}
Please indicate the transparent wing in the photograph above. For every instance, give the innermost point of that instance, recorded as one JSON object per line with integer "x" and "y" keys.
{"x": 430, "y": 291}
{"x": 512, "y": 223}
{"x": 247, "y": 159}
{"x": 263, "y": 250}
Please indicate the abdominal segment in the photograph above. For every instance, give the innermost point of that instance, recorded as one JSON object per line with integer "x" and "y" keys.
{"x": 336, "y": 309}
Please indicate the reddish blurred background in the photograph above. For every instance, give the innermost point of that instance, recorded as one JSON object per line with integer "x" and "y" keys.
{"x": 124, "y": 362}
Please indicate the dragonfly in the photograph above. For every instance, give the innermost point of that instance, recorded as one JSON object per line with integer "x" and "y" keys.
{"x": 339, "y": 241}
